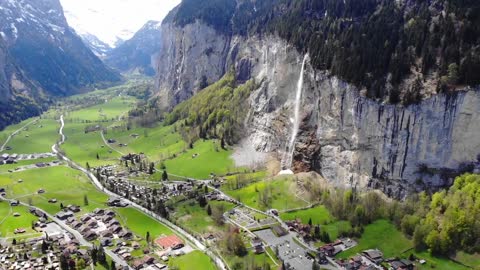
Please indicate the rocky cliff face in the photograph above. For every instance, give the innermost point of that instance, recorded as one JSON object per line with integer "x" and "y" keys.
{"x": 346, "y": 137}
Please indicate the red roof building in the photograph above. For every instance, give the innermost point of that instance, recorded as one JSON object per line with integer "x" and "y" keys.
{"x": 171, "y": 241}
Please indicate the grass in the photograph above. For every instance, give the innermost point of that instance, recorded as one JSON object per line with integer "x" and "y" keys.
{"x": 472, "y": 260}
{"x": 111, "y": 109}
{"x": 4, "y": 168}
{"x": 158, "y": 143}
{"x": 84, "y": 148}
{"x": 66, "y": 185}
{"x": 194, "y": 218}
{"x": 435, "y": 262}
{"x": 382, "y": 235}
{"x": 195, "y": 259}
{"x": 36, "y": 138}
{"x": 280, "y": 193}
{"x": 8, "y": 223}
{"x": 140, "y": 224}
{"x": 318, "y": 215}
{"x": 211, "y": 159}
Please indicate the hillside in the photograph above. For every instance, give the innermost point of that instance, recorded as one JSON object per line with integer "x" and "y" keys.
{"x": 139, "y": 52}
{"x": 42, "y": 58}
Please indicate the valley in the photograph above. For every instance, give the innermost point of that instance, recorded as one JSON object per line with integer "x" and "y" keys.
{"x": 215, "y": 196}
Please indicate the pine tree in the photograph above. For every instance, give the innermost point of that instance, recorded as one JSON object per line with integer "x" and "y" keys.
{"x": 147, "y": 237}
{"x": 209, "y": 210}
{"x": 165, "y": 176}
{"x": 113, "y": 266}
{"x": 85, "y": 200}
{"x": 98, "y": 157}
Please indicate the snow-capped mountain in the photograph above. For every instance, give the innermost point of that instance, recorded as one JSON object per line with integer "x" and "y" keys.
{"x": 41, "y": 56}
{"x": 139, "y": 52}
{"x": 100, "y": 48}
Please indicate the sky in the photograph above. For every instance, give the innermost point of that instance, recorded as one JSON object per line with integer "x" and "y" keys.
{"x": 113, "y": 19}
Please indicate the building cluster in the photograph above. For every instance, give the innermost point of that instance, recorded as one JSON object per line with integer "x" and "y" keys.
{"x": 102, "y": 225}
{"x": 42, "y": 253}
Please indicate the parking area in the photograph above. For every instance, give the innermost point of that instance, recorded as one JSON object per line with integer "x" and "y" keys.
{"x": 52, "y": 229}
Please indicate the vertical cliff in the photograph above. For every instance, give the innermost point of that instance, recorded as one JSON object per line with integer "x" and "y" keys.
{"x": 347, "y": 137}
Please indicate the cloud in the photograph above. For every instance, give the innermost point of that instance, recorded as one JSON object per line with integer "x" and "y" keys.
{"x": 110, "y": 20}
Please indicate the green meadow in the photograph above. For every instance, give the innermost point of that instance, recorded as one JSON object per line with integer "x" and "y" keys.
{"x": 192, "y": 260}
{"x": 277, "y": 193}
{"x": 8, "y": 222}
{"x": 66, "y": 185}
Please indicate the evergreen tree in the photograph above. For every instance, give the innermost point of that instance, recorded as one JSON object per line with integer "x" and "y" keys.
{"x": 209, "y": 210}
{"x": 98, "y": 157}
{"x": 113, "y": 266}
{"x": 85, "y": 200}
{"x": 164, "y": 176}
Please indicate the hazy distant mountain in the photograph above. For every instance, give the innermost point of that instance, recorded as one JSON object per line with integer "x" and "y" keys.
{"x": 138, "y": 53}
{"x": 40, "y": 57}
{"x": 100, "y": 48}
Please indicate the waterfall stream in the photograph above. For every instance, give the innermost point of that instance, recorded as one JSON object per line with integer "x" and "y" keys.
{"x": 288, "y": 155}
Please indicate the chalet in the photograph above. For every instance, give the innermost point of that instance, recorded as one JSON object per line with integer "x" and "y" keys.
{"x": 125, "y": 234}
{"x": 64, "y": 215}
{"x": 92, "y": 224}
{"x": 171, "y": 241}
{"x": 74, "y": 208}
{"x": 90, "y": 235}
{"x": 109, "y": 213}
{"x": 402, "y": 264}
{"x": 84, "y": 229}
{"x": 107, "y": 219}
{"x": 116, "y": 229}
{"x": 52, "y": 200}
{"x": 99, "y": 211}
{"x": 374, "y": 255}
{"x": 14, "y": 203}
{"x": 106, "y": 242}
{"x": 2, "y": 190}
{"x": 113, "y": 222}
{"x": 107, "y": 234}
{"x": 86, "y": 218}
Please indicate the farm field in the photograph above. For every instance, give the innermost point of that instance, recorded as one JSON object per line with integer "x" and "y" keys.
{"x": 382, "y": 235}
{"x": 277, "y": 193}
{"x": 140, "y": 223}
{"x": 110, "y": 110}
{"x": 210, "y": 159}
{"x": 318, "y": 215}
{"x": 83, "y": 147}
{"x": 36, "y": 138}
{"x": 195, "y": 218}
{"x": 8, "y": 223}
{"x": 196, "y": 258}
{"x": 66, "y": 185}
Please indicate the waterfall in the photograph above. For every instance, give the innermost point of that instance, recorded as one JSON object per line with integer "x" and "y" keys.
{"x": 288, "y": 155}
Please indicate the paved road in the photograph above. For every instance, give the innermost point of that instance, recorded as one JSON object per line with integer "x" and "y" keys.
{"x": 55, "y": 149}
{"x": 15, "y": 133}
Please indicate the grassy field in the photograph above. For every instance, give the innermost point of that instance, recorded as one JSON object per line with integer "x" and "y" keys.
{"x": 210, "y": 159}
{"x": 110, "y": 110}
{"x": 472, "y": 260}
{"x": 158, "y": 143}
{"x": 382, "y": 235}
{"x": 195, "y": 218}
{"x": 66, "y": 185}
{"x": 279, "y": 191}
{"x": 4, "y": 168}
{"x": 8, "y": 223}
{"x": 84, "y": 148}
{"x": 36, "y": 138}
{"x": 318, "y": 215}
{"x": 192, "y": 260}
{"x": 140, "y": 223}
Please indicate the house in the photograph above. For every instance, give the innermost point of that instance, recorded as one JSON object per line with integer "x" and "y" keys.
{"x": 86, "y": 218}
{"x": 116, "y": 229}
{"x": 64, "y": 215}
{"x": 110, "y": 213}
{"x": 107, "y": 234}
{"x": 171, "y": 241}
{"x": 52, "y": 200}
{"x": 125, "y": 234}
{"x": 107, "y": 219}
{"x": 113, "y": 222}
{"x": 74, "y": 208}
{"x": 402, "y": 264}
{"x": 92, "y": 224}
{"x": 106, "y": 242}
{"x": 374, "y": 255}
{"x": 76, "y": 225}
{"x": 90, "y": 235}
{"x": 36, "y": 212}
{"x": 14, "y": 203}
{"x": 99, "y": 211}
